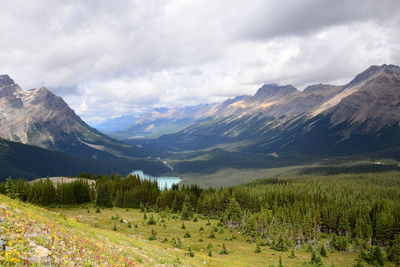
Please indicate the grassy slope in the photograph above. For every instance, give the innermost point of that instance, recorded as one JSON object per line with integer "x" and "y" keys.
{"x": 241, "y": 253}
{"x": 68, "y": 240}
{"x": 76, "y": 236}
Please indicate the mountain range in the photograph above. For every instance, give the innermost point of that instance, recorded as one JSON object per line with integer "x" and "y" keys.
{"x": 277, "y": 126}
{"x": 361, "y": 116}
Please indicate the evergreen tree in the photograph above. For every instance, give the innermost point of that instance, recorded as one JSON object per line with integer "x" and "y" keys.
{"x": 47, "y": 193}
{"x": 153, "y": 235}
{"x": 394, "y": 251}
{"x": 10, "y": 188}
{"x": 323, "y": 252}
{"x": 141, "y": 207}
{"x": 223, "y": 250}
{"x": 233, "y": 212}
{"x": 190, "y": 252}
{"x": 151, "y": 221}
{"x": 377, "y": 256}
{"x": 315, "y": 259}
{"x": 103, "y": 195}
{"x": 280, "y": 262}
{"x": 119, "y": 199}
{"x": 186, "y": 212}
{"x": 212, "y": 235}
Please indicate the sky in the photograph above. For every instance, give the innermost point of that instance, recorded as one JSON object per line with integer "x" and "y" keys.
{"x": 110, "y": 58}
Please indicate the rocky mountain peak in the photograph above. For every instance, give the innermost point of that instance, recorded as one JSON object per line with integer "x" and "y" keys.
{"x": 270, "y": 90}
{"x": 374, "y": 70}
{"x": 391, "y": 69}
{"x": 317, "y": 87}
{"x": 6, "y": 80}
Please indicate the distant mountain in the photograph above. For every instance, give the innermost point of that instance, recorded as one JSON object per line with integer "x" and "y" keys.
{"x": 155, "y": 123}
{"x": 117, "y": 124}
{"x": 38, "y": 117}
{"x": 361, "y": 116}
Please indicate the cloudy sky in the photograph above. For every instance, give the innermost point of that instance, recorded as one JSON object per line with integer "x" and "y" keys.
{"x": 107, "y": 58}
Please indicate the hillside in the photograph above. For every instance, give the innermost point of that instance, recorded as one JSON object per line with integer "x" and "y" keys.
{"x": 19, "y": 160}
{"x": 297, "y": 220}
{"x": 35, "y": 236}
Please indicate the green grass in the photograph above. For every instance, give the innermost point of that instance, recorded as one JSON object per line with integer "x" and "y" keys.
{"x": 241, "y": 253}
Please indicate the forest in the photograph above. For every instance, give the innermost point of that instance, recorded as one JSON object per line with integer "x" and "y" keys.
{"x": 355, "y": 212}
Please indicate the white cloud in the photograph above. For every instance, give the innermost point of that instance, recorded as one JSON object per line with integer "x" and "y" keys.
{"x": 113, "y": 57}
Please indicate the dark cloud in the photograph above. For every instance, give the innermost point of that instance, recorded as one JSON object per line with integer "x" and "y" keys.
{"x": 292, "y": 17}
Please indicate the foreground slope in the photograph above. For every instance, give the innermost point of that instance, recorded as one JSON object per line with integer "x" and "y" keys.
{"x": 74, "y": 237}
{"x": 35, "y": 236}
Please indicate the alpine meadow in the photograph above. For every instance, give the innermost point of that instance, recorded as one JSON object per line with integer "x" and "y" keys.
{"x": 200, "y": 133}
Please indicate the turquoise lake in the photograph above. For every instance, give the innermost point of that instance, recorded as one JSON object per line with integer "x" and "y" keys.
{"x": 162, "y": 181}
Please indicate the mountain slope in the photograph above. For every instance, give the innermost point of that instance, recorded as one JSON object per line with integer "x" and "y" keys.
{"x": 19, "y": 160}
{"x": 361, "y": 116}
{"x": 364, "y": 117}
{"x": 38, "y": 117}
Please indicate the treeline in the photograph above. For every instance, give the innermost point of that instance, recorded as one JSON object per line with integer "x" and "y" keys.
{"x": 104, "y": 191}
{"x": 354, "y": 210}
{"x": 44, "y": 192}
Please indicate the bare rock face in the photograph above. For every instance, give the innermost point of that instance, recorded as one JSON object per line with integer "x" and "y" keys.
{"x": 38, "y": 117}
{"x": 35, "y": 117}
{"x": 374, "y": 101}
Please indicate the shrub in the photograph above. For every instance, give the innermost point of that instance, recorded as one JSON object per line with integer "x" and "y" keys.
{"x": 176, "y": 243}
{"x": 223, "y": 251}
{"x": 292, "y": 255}
{"x": 212, "y": 235}
{"x": 316, "y": 259}
{"x": 323, "y": 252}
{"x": 153, "y": 235}
{"x": 190, "y": 252}
{"x": 151, "y": 221}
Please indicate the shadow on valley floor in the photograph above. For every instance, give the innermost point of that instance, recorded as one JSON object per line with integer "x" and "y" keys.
{"x": 362, "y": 168}
{"x": 212, "y": 161}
